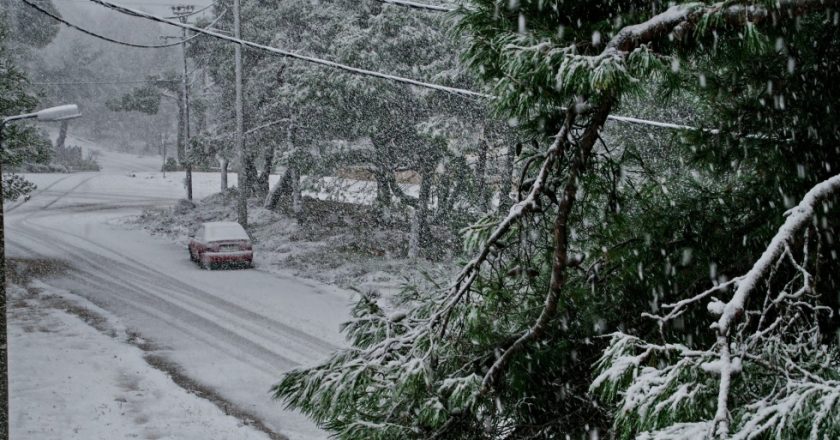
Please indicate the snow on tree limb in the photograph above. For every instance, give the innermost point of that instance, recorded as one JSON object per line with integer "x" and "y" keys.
{"x": 561, "y": 248}
{"x": 471, "y": 270}
{"x": 805, "y": 391}
{"x": 679, "y": 18}
{"x": 798, "y": 218}
{"x": 418, "y": 5}
{"x": 629, "y": 55}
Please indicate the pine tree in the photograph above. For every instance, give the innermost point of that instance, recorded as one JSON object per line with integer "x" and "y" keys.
{"x": 609, "y": 224}
{"x": 21, "y": 142}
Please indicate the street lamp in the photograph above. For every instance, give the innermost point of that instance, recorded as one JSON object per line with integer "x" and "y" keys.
{"x": 60, "y": 113}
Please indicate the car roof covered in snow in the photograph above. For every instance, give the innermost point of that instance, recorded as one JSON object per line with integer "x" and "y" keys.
{"x": 215, "y": 231}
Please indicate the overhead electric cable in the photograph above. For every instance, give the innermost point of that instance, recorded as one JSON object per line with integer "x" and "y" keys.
{"x": 111, "y": 40}
{"x": 79, "y": 83}
{"x": 416, "y": 5}
{"x": 289, "y": 54}
{"x": 133, "y": 2}
{"x": 638, "y": 121}
{"x": 364, "y": 72}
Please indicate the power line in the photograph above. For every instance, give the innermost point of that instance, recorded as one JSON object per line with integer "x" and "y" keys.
{"x": 289, "y": 54}
{"x": 351, "y": 69}
{"x": 78, "y": 83}
{"x": 637, "y": 121}
{"x": 416, "y": 5}
{"x": 364, "y": 72}
{"x": 111, "y": 40}
{"x": 133, "y": 2}
{"x": 93, "y": 34}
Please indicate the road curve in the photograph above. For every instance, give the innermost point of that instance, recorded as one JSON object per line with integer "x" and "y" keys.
{"x": 232, "y": 331}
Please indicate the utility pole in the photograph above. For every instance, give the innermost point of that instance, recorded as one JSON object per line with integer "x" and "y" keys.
{"x": 182, "y": 12}
{"x": 242, "y": 199}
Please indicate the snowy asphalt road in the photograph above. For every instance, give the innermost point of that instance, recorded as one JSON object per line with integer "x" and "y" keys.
{"x": 232, "y": 331}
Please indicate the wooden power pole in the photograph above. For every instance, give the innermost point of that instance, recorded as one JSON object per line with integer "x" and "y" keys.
{"x": 182, "y": 12}
{"x": 242, "y": 199}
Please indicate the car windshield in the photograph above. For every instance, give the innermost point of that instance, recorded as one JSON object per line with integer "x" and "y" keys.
{"x": 224, "y": 231}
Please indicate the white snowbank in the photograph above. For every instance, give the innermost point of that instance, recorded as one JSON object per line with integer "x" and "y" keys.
{"x": 69, "y": 381}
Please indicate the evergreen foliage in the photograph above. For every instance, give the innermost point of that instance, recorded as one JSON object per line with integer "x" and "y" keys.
{"x": 565, "y": 291}
{"x": 21, "y": 142}
{"x": 143, "y": 99}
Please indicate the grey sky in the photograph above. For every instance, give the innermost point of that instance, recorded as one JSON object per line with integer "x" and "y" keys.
{"x": 88, "y": 14}
{"x": 154, "y": 6}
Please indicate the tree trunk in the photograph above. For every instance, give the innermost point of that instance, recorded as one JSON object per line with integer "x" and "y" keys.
{"x": 414, "y": 234}
{"x": 250, "y": 175}
{"x": 507, "y": 183}
{"x": 281, "y": 191}
{"x": 383, "y": 195}
{"x": 423, "y": 205}
{"x": 480, "y": 176}
{"x": 443, "y": 189}
{"x": 224, "y": 173}
{"x": 262, "y": 183}
{"x": 297, "y": 205}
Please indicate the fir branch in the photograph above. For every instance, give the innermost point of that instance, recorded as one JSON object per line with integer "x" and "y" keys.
{"x": 561, "y": 247}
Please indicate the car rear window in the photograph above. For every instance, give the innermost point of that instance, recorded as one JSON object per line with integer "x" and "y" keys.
{"x": 227, "y": 231}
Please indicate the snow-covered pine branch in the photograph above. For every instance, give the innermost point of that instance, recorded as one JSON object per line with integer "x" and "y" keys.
{"x": 769, "y": 370}
{"x": 615, "y": 66}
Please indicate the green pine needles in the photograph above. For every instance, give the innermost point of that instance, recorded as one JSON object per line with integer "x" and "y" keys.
{"x": 644, "y": 283}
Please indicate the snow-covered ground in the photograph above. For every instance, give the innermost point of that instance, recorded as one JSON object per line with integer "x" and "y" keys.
{"x": 70, "y": 380}
{"x": 232, "y": 332}
{"x": 329, "y": 243}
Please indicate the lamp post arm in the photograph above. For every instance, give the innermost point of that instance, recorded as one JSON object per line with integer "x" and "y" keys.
{"x": 4, "y": 358}
{"x": 17, "y": 118}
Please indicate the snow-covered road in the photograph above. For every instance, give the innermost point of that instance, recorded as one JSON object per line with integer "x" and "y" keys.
{"x": 234, "y": 332}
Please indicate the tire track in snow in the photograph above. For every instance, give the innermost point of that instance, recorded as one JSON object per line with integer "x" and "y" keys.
{"x": 168, "y": 281}
{"x": 157, "y": 360}
{"x": 119, "y": 283}
{"x": 37, "y": 192}
{"x": 178, "y": 305}
{"x": 48, "y": 205}
{"x": 143, "y": 272}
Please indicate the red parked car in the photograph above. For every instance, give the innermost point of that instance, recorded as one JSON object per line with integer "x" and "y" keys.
{"x": 221, "y": 243}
